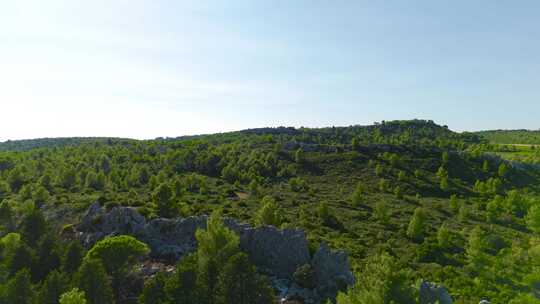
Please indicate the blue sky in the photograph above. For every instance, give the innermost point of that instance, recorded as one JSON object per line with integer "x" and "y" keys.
{"x": 144, "y": 69}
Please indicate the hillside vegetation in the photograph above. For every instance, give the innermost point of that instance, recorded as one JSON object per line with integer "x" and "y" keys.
{"x": 408, "y": 200}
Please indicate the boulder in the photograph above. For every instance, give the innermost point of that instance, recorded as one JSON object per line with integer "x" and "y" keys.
{"x": 332, "y": 271}
{"x": 272, "y": 250}
{"x": 431, "y": 293}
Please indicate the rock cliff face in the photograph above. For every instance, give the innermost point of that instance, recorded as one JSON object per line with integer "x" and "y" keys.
{"x": 278, "y": 253}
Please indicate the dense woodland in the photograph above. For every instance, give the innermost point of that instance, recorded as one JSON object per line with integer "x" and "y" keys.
{"x": 408, "y": 200}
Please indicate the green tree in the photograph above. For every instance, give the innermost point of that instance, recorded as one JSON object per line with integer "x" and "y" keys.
{"x": 299, "y": 157}
{"x": 533, "y": 219}
{"x": 383, "y": 185}
{"x": 216, "y": 245}
{"x": 417, "y": 224}
{"x": 382, "y": 282}
{"x": 94, "y": 282}
{"x": 358, "y": 194}
{"x": 6, "y": 216}
{"x": 47, "y": 257}
{"x": 475, "y": 246}
{"x": 443, "y": 184}
{"x": 163, "y": 198}
{"x": 154, "y": 291}
{"x": 444, "y": 236}
{"x": 381, "y": 212}
{"x": 269, "y": 213}
{"x": 74, "y": 296}
{"x": 445, "y": 157}
{"x": 73, "y": 257}
{"x": 503, "y": 170}
{"x": 116, "y": 252}
{"x": 402, "y": 176}
{"x": 182, "y": 287}
{"x": 454, "y": 203}
{"x": 485, "y": 166}
{"x": 68, "y": 178}
{"x": 54, "y": 286}
{"x": 355, "y": 144}
{"x": 33, "y": 226}
{"x": 19, "y": 288}
{"x": 398, "y": 192}
{"x": 240, "y": 284}
{"x": 22, "y": 259}
{"x": 41, "y": 195}
{"x": 379, "y": 169}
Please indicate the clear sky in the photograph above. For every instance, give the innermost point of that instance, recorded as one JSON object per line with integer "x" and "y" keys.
{"x": 144, "y": 69}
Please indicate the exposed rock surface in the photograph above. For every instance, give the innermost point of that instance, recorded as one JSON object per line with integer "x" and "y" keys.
{"x": 431, "y": 293}
{"x": 332, "y": 270}
{"x": 274, "y": 251}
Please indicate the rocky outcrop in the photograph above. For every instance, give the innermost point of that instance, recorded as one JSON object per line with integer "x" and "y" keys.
{"x": 276, "y": 252}
{"x": 332, "y": 270}
{"x": 431, "y": 293}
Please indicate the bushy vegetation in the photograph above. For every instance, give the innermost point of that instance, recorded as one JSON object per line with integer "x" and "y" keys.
{"x": 407, "y": 200}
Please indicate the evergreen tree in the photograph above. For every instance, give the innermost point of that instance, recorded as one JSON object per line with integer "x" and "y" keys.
{"x": 475, "y": 246}
{"x": 74, "y": 296}
{"x": 417, "y": 225}
{"x": 485, "y": 166}
{"x": 73, "y": 257}
{"x": 381, "y": 282}
{"x": 533, "y": 219}
{"x": 216, "y": 245}
{"x": 154, "y": 291}
{"x": 269, "y": 213}
{"x": 444, "y": 236}
{"x": 54, "y": 286}
{"x": 94, "y": 282}
{"x": 33, "y": 226}
{"x": 381, "y": 212}
{"x": 22, "y": 259}
{"x": 19, "y": 288}
{"x": 358, "y": 194}
{"x": 454, "y": 203}
{"x": 299, "y": 157}
{"x": 163, "y": 198}
{"x": 182, "y": 287}
{"x": 503, "y": 170}
{"x": 240, "y": 284}
{"x": 47, "y": 258}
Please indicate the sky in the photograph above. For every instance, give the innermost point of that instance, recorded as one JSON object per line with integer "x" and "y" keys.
{"x": 145, "y": 69}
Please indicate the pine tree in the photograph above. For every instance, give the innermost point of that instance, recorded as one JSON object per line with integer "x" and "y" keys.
{"x": 154, "y": 291}
{"x": 33, "y": 226}
{"x": 19, "y": 288}
{"x": 54, "y": 286}
{"x": 93, "y": 280}
{"x": 73, "y": 257}
{"x": 358, "y": 194}
{"x": 163, "y": 198}
{"x": 182, "y": 287}
{"x": 74, "y": 296}
{"x": 269, "y": 213}
{"x": 239, "y": 283}
{"x": 444, "y": 236}
{"x": 382, "y": 282}
{"x": 533, "y": 219}
{"x": 381, "y": 212}
{"x": 417, "y": 225}
{"x": 216, "y": 245}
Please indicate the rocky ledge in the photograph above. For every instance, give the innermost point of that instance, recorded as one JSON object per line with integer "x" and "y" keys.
{"x": 277, "y": 253}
